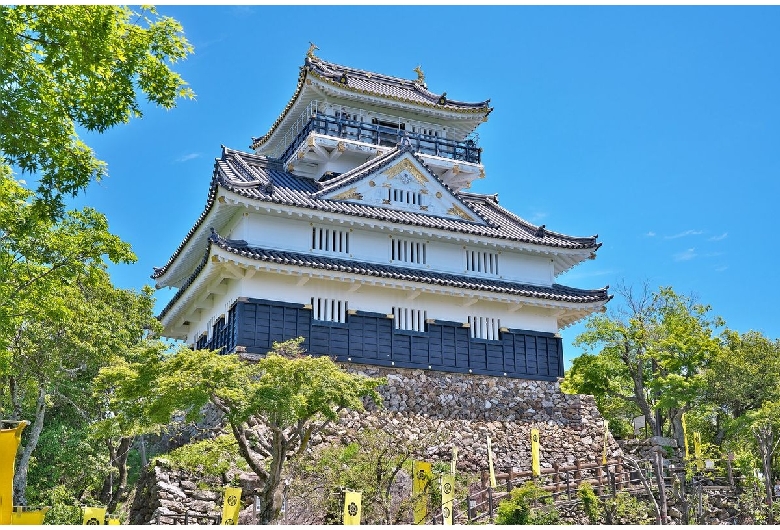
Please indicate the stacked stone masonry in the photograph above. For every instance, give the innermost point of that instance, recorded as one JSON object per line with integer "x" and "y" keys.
{"x": 456, "y": 409}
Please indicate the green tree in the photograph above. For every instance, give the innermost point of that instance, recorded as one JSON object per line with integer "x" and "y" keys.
{"x": 650, "y": 353}
{"x": 272, "y": 406}
{"x": 69, "y": 66}
{"x": 742, "y": 376}
{"x": 377, "y": 462}
{"x": 56, "y": 351}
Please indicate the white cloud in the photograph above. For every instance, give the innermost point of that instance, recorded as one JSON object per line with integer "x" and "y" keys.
{"x": 683, "y": 234}
{"x": 538, "y": 216}
{"x": 685, "y": 255}
{"x": 721, "y": 268}
{"x": 650, "y": 234}
{"x": 724, "y": 235}
{"x": 190, "y": 156}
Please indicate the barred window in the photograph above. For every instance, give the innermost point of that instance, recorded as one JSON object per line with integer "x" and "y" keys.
{"x": 484, "y": 327}
{"x": 330, "y": 240}
{"x": 483, "y": 262}
{"x": 404, "y": 196}
{"x": 408, "y": 251}
{"x": 329, "y": 310}
{"x": 409, "y": 319}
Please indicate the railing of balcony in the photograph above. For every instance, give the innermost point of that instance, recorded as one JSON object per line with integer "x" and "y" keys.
{"x": 371, "y": 133}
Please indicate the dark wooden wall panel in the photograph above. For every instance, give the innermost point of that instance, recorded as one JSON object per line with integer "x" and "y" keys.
{"x": 370, "y": 338}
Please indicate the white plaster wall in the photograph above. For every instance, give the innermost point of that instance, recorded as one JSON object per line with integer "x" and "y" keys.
{"x": 281, "y": 287}
{"x": 286, "y": 233}
{"x": 289, "y": 288}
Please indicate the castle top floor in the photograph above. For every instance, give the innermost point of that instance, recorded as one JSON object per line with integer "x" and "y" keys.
{"x": 340, "y": 117}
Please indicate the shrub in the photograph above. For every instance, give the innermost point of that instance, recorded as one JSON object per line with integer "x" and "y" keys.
{"x": 528, "y": 504}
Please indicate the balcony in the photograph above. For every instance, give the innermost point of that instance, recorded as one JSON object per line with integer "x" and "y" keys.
{"x": 376, "y": 134}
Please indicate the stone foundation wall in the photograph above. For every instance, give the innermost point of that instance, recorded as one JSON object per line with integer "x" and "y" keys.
{"x": 450, "y": 410}
{"x": 469, "y": 408}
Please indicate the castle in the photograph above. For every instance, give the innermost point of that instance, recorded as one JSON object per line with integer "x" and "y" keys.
{"x": 350, "y": 224}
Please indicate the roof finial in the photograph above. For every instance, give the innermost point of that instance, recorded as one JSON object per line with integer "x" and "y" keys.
{"x": 420, "y": 75}
{"x": 312, "y": 47}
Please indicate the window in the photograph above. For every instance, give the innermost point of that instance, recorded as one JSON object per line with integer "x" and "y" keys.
{"x": 408, "y": 251}
{"x": 484, "y": 262}
{"x": 329, "y": 310}
{"x": 484, "y": 327}
{"x": 330, "y": 240}
{"x": 409, "y": 319}
{"x": 404, "y": 196}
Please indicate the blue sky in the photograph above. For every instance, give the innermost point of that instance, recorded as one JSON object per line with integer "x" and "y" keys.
{"x": 656, "y": 128}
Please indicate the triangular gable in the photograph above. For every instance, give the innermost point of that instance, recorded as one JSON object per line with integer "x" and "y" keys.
{"x": 403, "y": 183}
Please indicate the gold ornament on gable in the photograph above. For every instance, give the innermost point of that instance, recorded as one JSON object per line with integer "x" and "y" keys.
{"x": 406, "y": 165}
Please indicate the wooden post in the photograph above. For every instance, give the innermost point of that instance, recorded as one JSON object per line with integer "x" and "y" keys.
{"x": 600, "y": 477}
{"x": 729, "y": 458}
{"x": 509, "y": 481}
{"x": 490, "y": 503}
{"x": 485, "y": 479}
{"x": 612, "y": 484}
{"x": 469, "y": 508}
{"x": 659, "y": 475}
{"x": 568, "y": 486}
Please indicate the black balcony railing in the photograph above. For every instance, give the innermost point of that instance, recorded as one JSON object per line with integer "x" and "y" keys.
{"x": 376, "y": 134}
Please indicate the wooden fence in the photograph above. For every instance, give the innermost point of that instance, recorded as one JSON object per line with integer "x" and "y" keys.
{"x": 561, "y": 482}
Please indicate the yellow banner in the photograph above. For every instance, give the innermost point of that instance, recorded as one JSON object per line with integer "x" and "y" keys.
{"x": 231, "y": 506}
{"x": 93, "y": 515}
{"x": 447, "y": 497}
{"x": 685, "y": 437}
{"x": 535, "y": 452}
{"x": 24, "y": 516}
{"x": 9, "y": 443}
{"x": 352, "y": 500}
{"x": 697, "y": 451}
{"x": 606, "y": 433}
{"x": 421, "y": 476}
{"x": 490, "y": 464}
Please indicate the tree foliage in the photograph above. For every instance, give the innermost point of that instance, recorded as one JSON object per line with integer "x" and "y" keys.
{"x": 56, "y": 350}
{"x": 528, "y": 504}
{"x": 65, "y": 67}
{"x": 377, "y": 462}
{"x": 649, "y": 354}
{"x": 272, "y": 406}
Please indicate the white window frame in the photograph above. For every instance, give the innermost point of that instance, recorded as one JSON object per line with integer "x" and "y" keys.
{"x": 409, "y": 319}
{"x": 329, "y": 310}
{"x": 330, "y": 240}
{"x": 408, "y": 251}
{"x": 487, "y": 328}
{"x": 482, "y": 262}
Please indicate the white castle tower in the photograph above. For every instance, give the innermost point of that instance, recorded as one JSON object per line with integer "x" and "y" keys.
{"x": 350, "y": 225}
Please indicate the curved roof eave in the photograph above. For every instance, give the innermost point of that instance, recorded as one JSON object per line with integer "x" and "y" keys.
{"x": 480, "y": 109}
{"x": 555, "y": 293}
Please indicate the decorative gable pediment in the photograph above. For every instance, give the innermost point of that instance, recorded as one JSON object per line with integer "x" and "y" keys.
{"x": 403, "y": 184}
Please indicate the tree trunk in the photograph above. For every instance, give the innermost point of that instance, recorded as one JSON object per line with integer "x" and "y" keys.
{"x": 765, "y": 438}
{"x": 23, "y": 462}
{"x": 115, "y": 484}
{"x": 270, "y": 495}
{"x": 675, "y": 417}
{"x": 641, "y": 402}
{"x": 659, "y": 471}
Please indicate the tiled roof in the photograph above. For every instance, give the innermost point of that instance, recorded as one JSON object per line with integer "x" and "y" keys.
{"x": 556, "y": 292}
{"x": 370, "y": 83}
{"x": 259, "y": 178}
{"x": 387, "y": 86}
